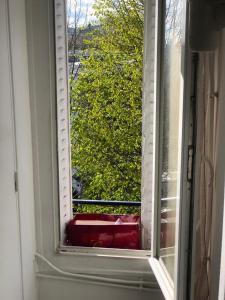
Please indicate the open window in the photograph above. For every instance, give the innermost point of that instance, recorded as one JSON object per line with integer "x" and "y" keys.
{"x": 166, "y": 137}
{"x": 82, "y": 65}
{"x": 169, "y": 254}
{"x": 172, "y": 149}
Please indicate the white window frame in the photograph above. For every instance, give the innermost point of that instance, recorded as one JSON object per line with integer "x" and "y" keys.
{"x": 107, "y": 263}
{"x": 172, "y": 290}
{"x": 63, "y": 129}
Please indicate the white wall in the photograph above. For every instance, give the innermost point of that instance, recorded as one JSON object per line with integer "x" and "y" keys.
{"x": 10, "y": 259}
{"x": 17, "y": 278}
{"x": 67, "y": 290}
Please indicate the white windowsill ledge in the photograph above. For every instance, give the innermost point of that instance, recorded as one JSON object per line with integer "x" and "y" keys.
{"x": 104, "y": 252}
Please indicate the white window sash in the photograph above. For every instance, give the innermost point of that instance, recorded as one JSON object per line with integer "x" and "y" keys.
{"x": 171, "y": 290}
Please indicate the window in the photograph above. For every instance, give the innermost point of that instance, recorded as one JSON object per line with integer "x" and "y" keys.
{"x": 124, "y": 66}
{"x": 169, "y": 123}
{"x": 172, "y": 138}
{"x": 41, "y": 48}
{"x": 169, "y": 131}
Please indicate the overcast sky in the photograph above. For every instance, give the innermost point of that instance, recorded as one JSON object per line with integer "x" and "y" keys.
{"x": 84, "y": 11}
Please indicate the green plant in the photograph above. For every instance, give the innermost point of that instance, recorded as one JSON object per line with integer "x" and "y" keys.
{"x": 106, "y": 106}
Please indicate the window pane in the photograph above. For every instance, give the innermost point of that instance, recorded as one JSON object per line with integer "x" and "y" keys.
{"x": 171, "y": 91}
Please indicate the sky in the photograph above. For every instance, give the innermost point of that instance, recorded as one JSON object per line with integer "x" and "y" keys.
{"x": 84, "y": 11}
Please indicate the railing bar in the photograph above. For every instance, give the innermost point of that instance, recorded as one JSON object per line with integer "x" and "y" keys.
{"x": 114, "y": 202}
{"x": 106, "y": 202}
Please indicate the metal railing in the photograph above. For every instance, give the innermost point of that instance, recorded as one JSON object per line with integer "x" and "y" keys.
{"x": 107, "y": 202}
{"x": 114, "y": 202}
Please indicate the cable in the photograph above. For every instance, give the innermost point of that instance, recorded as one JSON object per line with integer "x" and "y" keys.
{"x": 140, "y": 283}
{"x": 131, "y": 287}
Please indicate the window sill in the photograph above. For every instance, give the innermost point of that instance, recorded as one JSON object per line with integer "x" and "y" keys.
{"x": 135, "y": 274}
{"x": 104, "y": 252}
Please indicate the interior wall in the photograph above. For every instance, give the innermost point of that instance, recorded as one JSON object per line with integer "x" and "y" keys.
{"x": 16, "y": 172}
{"x": 58, "y": 289}
{"x": 10, "y": 260}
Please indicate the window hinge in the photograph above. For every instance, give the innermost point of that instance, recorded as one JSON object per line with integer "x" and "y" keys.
{"x": 16, "y": 181}
{"x": 190, "y": 163}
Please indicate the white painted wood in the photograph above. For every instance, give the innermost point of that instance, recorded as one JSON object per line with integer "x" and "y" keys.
{"x": 170, "y": 290}
{"x": 162, "y": 278}
{"x": 41, "y": 48}
{"x": 63, "y": 116}
{"x": 147, "y": 122}
{"x": 11, "y": 285}
{"x": 106, "y": 252}
{"x": 156, "y": 128}
{"x": 18, "y": 39}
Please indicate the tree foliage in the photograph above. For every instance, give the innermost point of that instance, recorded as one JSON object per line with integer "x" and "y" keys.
{"x": 106, "y": 104}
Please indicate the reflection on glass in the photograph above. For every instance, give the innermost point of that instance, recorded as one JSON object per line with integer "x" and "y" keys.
{"x": 171, "y": 90}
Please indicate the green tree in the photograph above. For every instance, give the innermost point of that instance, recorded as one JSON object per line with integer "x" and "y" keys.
{"x": 106, "y": 105}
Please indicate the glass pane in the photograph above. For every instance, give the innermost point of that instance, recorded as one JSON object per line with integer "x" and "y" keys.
{"x": 171, "y": 91}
